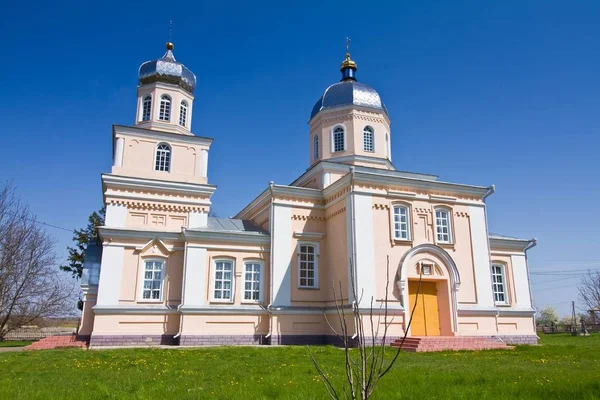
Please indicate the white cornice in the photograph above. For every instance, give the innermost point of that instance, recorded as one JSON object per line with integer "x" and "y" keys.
{"x": 228, "y": 236}
{"x": 509, "y": 243}
{"x": 254, "y": 310}
{"x": 135, "y": 309}
{"x": 308, "y": 235}
{"x": 158, "y": 135}
{"x": 124, "y": 182}
{"x": 107, "y": 233}
{"x": 262, "y": 197}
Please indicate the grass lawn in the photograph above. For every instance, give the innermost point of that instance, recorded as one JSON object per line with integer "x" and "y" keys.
{"x": 15, "y": 343}
{"x": 564, "y": 367}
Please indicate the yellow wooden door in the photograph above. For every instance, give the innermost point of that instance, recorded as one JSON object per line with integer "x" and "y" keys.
{"x": 426, "y": 318}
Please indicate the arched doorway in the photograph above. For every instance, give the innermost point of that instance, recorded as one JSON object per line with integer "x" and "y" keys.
{"x": 428, "y": 282}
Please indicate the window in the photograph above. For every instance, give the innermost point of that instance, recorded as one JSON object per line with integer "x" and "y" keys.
{"x": 153, "y": 279}
{"x": 183, "y": 113}
{"x": 401, "y": 223}
{"x": 338, "y": 139}
{"x": 387, "y": 145}
{"x": 499, "y": 283}
{"x": 252, "y": 281}
{"x": 146, "y": 108}
{"x": 307, "y": 266}
{"x": 368, "y": 142}
{"x": 442, "y": 226}
{"x": 165, "y": 108}
{"x": 223, "y": 280}
{"x": 316, "y": 147}
{"x": 163, "y": 158}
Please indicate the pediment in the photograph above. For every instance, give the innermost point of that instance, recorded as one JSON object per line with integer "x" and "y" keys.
{"x": 155, "y": 248}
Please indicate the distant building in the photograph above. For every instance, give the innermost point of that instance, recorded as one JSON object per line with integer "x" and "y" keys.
{"x": 169, "y": 273}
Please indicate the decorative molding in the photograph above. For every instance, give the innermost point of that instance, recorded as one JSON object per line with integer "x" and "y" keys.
{"x": 338, "y": 212}
{"x": 135, "y": 309}
{"x": 308, "y": 235}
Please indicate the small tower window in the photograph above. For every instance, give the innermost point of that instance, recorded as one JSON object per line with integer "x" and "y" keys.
{"x": 163, "y": 158}
{"x": 338, "y": 139}
{"x": 368, "y": 139}
{"x": 316, "y": 147}
{"x": 183, "y": 113}
{"x": 146, "y": 108}
{"x": 165, "y": 108}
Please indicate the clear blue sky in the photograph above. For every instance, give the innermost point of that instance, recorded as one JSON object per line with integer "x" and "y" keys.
{"x": 505, "y": 94}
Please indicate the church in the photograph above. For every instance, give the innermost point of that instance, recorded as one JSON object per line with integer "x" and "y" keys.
{"x": 166, "y": 272}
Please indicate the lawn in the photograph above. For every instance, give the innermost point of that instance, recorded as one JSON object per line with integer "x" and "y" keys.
{"x": 15, "y": 343}
{"x": 563, "y": 367}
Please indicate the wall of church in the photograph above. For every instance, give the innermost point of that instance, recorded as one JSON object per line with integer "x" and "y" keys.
{"x": 156, "y": 219}
{"x": 139, "y": 160}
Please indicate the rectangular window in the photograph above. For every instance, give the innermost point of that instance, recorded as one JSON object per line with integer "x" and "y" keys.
{"x": 401, "y": 223}
{"x": 368, "y": 141}
{"x": 252, "y": 277}
{"x": 223, "y": 281}
{"x": 307, "y": 266}
{"x": 338, "y": 139}
{"x": 499, "y": 283}
{"x": 153, "y": 279}
{"x": 442, "y": 226}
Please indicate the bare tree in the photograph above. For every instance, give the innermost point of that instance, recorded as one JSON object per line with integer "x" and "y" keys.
{"x": 589, "y": 290}
{"x": 366, "y": 365}
{"x": 30, "y": 285}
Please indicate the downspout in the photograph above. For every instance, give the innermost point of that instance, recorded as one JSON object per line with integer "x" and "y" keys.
{"x": 532, "y": 243}
{"x": 271, "y": 215}
{"x": 353, "y": 236}
{"x": 182, "y": 284}
{"x": 491, "y": 190}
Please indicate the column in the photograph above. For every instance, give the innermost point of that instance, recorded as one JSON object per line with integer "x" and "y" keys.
{"x": 119, "y": 149}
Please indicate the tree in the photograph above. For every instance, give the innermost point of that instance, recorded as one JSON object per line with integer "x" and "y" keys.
{"x": 547, "y": 316}
{"x": 82, "y": 237}
{"x": 367, "y": 365}
{"x": 30, "y": 285}
{"x": 589, "y": 290}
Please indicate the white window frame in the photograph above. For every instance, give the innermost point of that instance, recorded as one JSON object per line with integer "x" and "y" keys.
{"x": 316, "y": 147}
{"x": 143, "y": 280}
{"x": 214, "y": 280}
{"x": 168, "y": 103}
{"x": 315, "y": 263}
{"x": 183, "y": 111}
{"x": 261, "y": 282}
{"x": 448, "y": 212}
{"x": 387, "y": 146}
{"x": 504, "y": 283}
{"x": 333, "y": 150}
{"x": 368, "y": 131}
{"x": 149, "y": 115}
{"x": 168, "y": 164}
{"x": 407, "y": 209}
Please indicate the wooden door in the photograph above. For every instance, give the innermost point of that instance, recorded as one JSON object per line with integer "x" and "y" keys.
{"x": 426, "y": 319}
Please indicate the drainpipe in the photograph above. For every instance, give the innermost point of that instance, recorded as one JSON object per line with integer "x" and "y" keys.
{"x": 532, "y": 243}
{"x": 491, "y": 190}
{"x": 269, "y": 310}
{"x": 271, "y": 225}
{"x": 182, "y": 284}
{"x": 353, "y": 236}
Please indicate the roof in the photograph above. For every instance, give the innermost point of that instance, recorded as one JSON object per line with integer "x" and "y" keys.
{"x": 497, "y": 236}
{"x": 348, "y": 93}
{"x": 231, "y": 225}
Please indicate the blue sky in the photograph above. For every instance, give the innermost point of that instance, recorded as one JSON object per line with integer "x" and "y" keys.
{"x": 505, "y": 93}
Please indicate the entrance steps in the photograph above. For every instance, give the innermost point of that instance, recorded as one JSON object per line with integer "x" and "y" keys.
{"x": 443, "y": 343}
{"x": 54, "y": 342}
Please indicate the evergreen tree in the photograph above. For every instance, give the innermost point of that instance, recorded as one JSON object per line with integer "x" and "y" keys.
{"x": 82, "y": 237}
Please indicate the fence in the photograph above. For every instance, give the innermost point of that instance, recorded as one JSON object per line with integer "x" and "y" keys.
{"x": 567, "y": 328}
{"x": 33, "y": 332}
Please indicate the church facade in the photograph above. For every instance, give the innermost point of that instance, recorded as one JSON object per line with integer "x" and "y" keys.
{"x": 165, "y": 272}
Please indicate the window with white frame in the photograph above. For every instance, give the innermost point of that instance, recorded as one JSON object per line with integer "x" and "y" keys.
{"x": 368, "y": 140}
{"x": 338, "y": 139}
{"x": 316, "y": 144}
{"x": 307, "y": 266}
{"x": 163, "y": 158}
{"x": 165, "y": 108}
{"x": 183, "y": 113}
{"x": 146, "y": 108}
{"x": 442, "y": 225}
{"x": 252, "y": 281}
{"x": 153, "y": 280}
{"x": 499, "y": 283}
{"x": 223, "y": 280}
{"x": 401, "y": 222}
{"x": 387, "y": 145}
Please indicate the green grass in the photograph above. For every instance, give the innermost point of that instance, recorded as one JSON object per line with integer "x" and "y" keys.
{"x": 563, "y": 367}
{"x": 15, "y": 343}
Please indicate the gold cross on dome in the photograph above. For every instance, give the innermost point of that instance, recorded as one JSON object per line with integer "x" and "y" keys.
{"x": 347, "y": 44}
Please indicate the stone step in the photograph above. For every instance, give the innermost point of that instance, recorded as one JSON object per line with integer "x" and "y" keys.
{"x": 442, "y": 343}
{"x": 54, "y": 342}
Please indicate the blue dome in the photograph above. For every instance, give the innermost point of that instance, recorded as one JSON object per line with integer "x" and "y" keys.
{"x": 348, "y": 93}
{"x": 167, "y": 70}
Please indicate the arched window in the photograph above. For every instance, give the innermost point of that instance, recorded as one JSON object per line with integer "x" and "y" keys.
{"x": 338, "y": 139}
{"x": 368, "y": 141}
{"x": 146, "y": 108}
{"x": 499, "y": 283}
{"x": 165, "y": 108}
{"x": 162, "y": 160}
{"x": 316, "y": 147}
{"x": 308, "y": 272}
{"x": 183, "y": 113}
{"x": 443, "y": 225}
{"x": 401, "y": 222}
